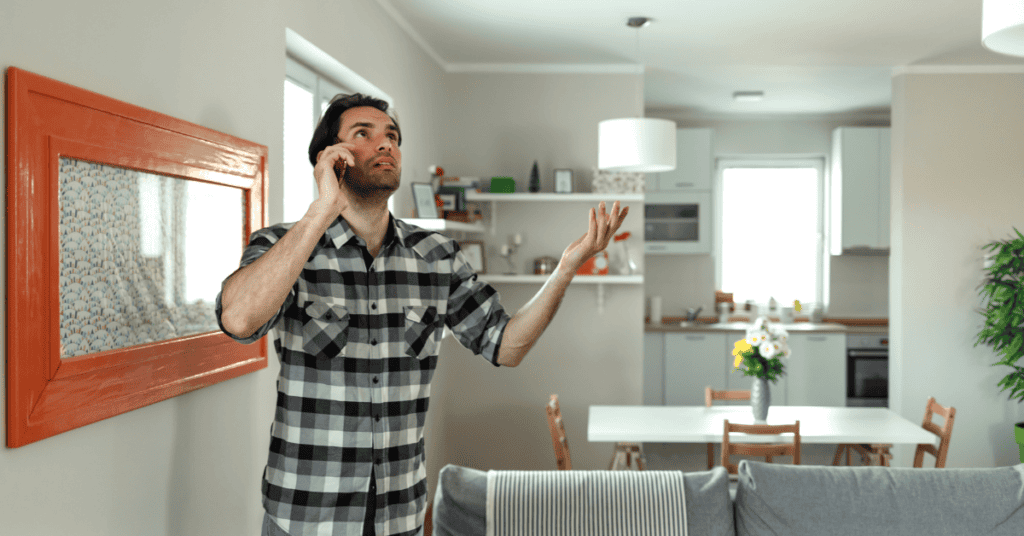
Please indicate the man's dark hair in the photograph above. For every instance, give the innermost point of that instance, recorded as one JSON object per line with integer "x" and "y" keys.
{"x": 326, "y": 132}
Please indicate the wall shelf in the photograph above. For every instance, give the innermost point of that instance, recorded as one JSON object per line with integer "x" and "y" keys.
{"x": 599, "y": 280}
{"x": 583, "y": 197}
{"x": 439, "y": 224}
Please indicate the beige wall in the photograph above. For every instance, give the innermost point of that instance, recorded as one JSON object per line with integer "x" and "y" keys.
{"x": 494, "y": 418}
{"x": 190, "y": 465}
{"x": 957, "y": 185}
{"x": 858, "y": 284}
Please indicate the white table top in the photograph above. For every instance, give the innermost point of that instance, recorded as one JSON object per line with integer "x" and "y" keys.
{"x": 699, "y": 424}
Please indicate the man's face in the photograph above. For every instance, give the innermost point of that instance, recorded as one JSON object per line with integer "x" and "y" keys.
{"x": 378, "y": 158}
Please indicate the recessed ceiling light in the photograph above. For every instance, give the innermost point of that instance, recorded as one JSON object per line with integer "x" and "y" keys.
{"x": 638, "y": 22}
{"x": 748, "y": 96}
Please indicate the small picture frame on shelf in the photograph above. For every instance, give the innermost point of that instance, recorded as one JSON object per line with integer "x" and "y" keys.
{"x": 474, "y": 251}
{"x": 563, "y": 181}
{"x": 423, "y": 198}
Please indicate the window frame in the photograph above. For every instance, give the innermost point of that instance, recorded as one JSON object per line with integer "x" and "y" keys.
{"x": 775, "y": 161}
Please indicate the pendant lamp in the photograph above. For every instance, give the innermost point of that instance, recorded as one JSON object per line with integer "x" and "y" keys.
{"x": 1002, "y": 26}
{"x": 636, "y": 144}
{"x": 640, "y": 144}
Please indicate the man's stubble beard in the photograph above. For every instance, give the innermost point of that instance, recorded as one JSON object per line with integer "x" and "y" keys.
{"x": 373, "y": 186}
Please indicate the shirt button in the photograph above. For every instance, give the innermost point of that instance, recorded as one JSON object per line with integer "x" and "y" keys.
{"x": 377, "y": 417}
{"x": 329, "y": 316}
{"x": 378, "y": 461}
{"x": 373, "y": 342}
{"x": 373, "y": 306}
{"x": 375, "y": 380}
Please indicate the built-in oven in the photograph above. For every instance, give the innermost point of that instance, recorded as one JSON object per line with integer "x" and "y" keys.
{"x": 867, "y": 369}
{"x": 677, "y": 222}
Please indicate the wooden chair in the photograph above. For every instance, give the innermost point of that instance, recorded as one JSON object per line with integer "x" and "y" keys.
{"x": 711, "y": 395}
{"x": 758, "y": 449}
{"x": 626, "y": 455}
{"x": 879, "y": 454}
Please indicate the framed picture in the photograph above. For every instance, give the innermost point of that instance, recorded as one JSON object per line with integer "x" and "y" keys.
{"x": 563, "y": 181}
{"x": 474, "y": 251}
{"x": 453, "y": 198}
{"x": 121, "y": 224}
{"x": 423, "y": 198}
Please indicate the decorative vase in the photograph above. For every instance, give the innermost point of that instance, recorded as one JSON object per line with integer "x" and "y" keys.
{"x": 760, "y": 400}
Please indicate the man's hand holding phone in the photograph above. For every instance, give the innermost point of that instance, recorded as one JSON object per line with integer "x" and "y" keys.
{"x": 329, "y": 173}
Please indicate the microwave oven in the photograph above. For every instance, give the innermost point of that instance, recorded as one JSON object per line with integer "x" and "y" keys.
{"x": 677, "y": 223}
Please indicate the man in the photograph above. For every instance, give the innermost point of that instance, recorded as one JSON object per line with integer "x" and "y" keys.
{"x": 360, "y": 301}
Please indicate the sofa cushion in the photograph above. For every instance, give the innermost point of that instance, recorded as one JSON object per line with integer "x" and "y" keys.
{"x": 796, "y": 500}
{"x": 460, "y": 502}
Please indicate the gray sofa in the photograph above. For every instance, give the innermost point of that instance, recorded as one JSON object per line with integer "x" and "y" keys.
{"x": 780, "y": 499}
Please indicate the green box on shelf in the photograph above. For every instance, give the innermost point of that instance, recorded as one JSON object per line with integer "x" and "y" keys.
{"x": 503, "y": 185}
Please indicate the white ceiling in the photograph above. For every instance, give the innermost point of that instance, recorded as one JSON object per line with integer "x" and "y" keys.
{"x": 818, "y": 57}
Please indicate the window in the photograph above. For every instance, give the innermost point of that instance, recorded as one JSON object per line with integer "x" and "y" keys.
{"x": 312, "y": 79}
{"x": 306, "y": 96}
{"x": 770, "y": 231}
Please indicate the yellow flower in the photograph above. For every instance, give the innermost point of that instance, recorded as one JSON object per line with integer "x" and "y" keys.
{"x": 739, "y": 360}
{"x": 740, "y": 346}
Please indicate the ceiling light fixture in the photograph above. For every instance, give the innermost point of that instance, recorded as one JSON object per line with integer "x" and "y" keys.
{"x": 748, "y": 96}
{"x": 1002, "y": 26}
{"x": 636, "y": 144}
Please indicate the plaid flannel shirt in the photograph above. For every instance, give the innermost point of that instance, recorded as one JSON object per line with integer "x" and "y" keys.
{"x": 358, "y": 346}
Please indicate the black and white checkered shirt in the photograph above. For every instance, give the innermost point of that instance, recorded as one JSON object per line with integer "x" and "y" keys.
{"x": 358, "y": 339}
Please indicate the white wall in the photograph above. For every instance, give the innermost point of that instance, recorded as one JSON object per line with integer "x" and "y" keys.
{"x": 858, "y": 284}
{"x": 494, "y": 418}
{"x": 956, "y": 185}
{"x": 190, "y": 465}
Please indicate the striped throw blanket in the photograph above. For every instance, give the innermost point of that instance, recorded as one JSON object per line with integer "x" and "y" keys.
{"x": 590, "y": 503}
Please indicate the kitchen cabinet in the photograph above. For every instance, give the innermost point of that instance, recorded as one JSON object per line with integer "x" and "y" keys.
{"x": 859, "y": 189}
{"x": 816, "y": 371}
{"x": 693, "y": 163}
{"x": 692, "y": 362}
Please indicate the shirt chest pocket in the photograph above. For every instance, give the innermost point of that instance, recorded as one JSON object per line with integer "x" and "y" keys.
{"x": 423, "y": 330}
{"x": 325, "y": 329}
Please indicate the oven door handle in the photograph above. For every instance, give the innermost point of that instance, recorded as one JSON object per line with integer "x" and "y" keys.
{"x": 868, "y": 353}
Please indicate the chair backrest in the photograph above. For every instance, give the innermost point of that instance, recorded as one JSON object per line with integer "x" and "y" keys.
{"x": 944, "y": 433}
{"x": 710, "y": 395}
{"x": 760, "y": 449}
{"x": 558, "y": 439}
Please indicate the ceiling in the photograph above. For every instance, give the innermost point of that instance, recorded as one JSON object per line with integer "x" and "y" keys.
{"x": 809, "y": 57}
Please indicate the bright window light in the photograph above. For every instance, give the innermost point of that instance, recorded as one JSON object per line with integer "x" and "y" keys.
{"x": 770, "y": 240}
{"x": 299, "y": 123}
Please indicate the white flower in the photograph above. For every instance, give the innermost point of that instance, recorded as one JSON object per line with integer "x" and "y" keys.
{"x": 759, "y": 323}
{"x": 756, "y": 337}
{"x": 768, "y": 349}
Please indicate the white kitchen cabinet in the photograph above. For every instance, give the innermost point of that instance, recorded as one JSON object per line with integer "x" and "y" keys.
{"x": 654, "y": 368}
{"x": 737, "y": 381}
{"x": 816, "y": 369}
{"x": 859, "y": 189}
{"x": 693, "y": 163}
{"x": 692, "y": 362}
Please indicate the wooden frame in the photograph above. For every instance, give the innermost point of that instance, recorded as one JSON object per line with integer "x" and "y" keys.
{"x": 46, "y": 120}
{"x": 760, "y": 449}
{"x": 710, "y": 395}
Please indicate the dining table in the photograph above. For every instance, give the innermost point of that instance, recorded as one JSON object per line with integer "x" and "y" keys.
{"x": 703, "y": 424}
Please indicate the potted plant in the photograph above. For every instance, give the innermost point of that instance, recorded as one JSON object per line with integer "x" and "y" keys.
{"x": 1002, "y": 294}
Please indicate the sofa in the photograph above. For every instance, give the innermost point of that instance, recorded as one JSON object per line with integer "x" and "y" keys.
{"x": 782, "y": 499}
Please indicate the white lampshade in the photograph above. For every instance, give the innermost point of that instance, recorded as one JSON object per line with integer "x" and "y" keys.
{"x": 1002, "y": 26}
{"x": 639, "y": 144}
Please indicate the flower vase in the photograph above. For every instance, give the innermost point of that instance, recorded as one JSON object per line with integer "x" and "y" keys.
{"x": 760, "y": 400}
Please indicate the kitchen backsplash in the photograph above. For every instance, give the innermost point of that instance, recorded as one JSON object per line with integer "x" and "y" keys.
{"x": 859, "y": 285}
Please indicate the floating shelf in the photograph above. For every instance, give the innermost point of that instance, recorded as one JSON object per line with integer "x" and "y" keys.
{"x": 599, "y": 280}
{"x": 584, "y": 279}
{"x": 439, "y": 224}
{"x": 584, "y": 197}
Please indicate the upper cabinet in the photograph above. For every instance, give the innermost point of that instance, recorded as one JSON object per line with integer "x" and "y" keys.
{"x": 693, "y": 163}
{"x": 859, "y": 190}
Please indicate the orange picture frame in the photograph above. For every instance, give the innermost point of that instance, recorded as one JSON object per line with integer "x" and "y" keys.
{"x": 46, "y": 120}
